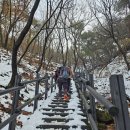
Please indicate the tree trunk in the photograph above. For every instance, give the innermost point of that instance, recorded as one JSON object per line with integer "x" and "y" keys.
{"x": 123, "y": 54}
{"x": 1, "y": 35}
{"x": 19, "y": 42}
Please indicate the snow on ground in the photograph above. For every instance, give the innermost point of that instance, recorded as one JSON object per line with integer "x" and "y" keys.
{"x": 30, "y": 122}
{"x": 101, "y": 83}
{"x": 101, "y": 79}
{"x": 35, "y": 119}
{"x": 5, "y": 67}
{"x": 28, "y": 92}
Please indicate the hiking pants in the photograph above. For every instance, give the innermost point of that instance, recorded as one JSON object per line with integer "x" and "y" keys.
{"x": 62, "y": 83}
{"x": 69, "y": 82}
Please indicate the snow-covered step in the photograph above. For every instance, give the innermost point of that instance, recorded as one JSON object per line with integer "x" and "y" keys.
{"x": 64, "y": 115}
{"x": 61, "y": 119}
{"x": 60, "y": 100}
{"x": 58, "y": 109}
{"x": 60, "y": 126}
{"x": 58, "y": 103}
{"x": 61, "y": 114}
{"x": 54, "y": 106}
{"x": 58, "y": 119}
{"x": 55, "y": 113}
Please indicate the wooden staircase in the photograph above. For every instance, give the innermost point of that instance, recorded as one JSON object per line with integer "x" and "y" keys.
{"x": 60, "y": 116}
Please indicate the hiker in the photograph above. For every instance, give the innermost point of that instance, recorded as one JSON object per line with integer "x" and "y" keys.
{"x": 56, "y": 75}
{"x": 57, "y": 80}
{"x": 63, "y": 81}
{"x": 71, "y": 75}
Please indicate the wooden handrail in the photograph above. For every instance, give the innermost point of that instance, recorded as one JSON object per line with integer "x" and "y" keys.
{"x": 112, "y": 109}
{"x": 118, "y": 108}
{"x": 16, "y": 110}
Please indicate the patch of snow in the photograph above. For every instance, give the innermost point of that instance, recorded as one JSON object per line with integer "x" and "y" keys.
{"x": 101, "y": 84}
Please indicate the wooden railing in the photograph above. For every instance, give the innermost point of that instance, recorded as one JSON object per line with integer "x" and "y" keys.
{"x": 16, "y": 109}
{"x": 118, "y": 109}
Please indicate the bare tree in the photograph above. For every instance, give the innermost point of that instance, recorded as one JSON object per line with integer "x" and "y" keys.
{"x": 106, "y": 9}
{"x": 19, "y": 42}
{"x": 10, "y": 15}
{"x": 48, "y": 33}
{"x": 46, "y": 24}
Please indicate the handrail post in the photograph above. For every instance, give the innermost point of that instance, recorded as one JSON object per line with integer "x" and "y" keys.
{"x": 55, "y": 86}
{"x": 83, "y": 84}
{"x": 15, "y": 101}
{"x": 51, "y": 83}
{"x": 36, "y": 91}
{"x": 46, "y": 85}
{"x": 80, "y": 82}
{"x": 122, "y": 120}
{"x": 92, "y": 99}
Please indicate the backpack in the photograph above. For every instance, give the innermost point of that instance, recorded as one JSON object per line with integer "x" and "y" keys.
{"x": 64, "y": 73}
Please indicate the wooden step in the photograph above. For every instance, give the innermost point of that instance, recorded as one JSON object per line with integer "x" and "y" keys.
{"x": 58, "y": 109}
{"x": 58, "y": 126}
{"x": 62, "y": 95}
{"x": 57, "y": 113}
{"x": 57, "y": 97}
{"x": 62, "y": 106}
{"x": 60, "y": 100}
{"x": 59, "y": 119}
{"x": 53, "y": 106}
{"x": 61, "y": 114}
{"x": 64, "y": 103}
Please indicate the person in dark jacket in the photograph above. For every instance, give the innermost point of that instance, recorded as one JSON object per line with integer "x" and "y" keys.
{"x": 62, "y": 81}
{"x": 56, "y": 75}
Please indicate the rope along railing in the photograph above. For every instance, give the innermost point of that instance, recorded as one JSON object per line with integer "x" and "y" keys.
{"x": 118, "y": 109}
{"x": 16, "y": 109}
